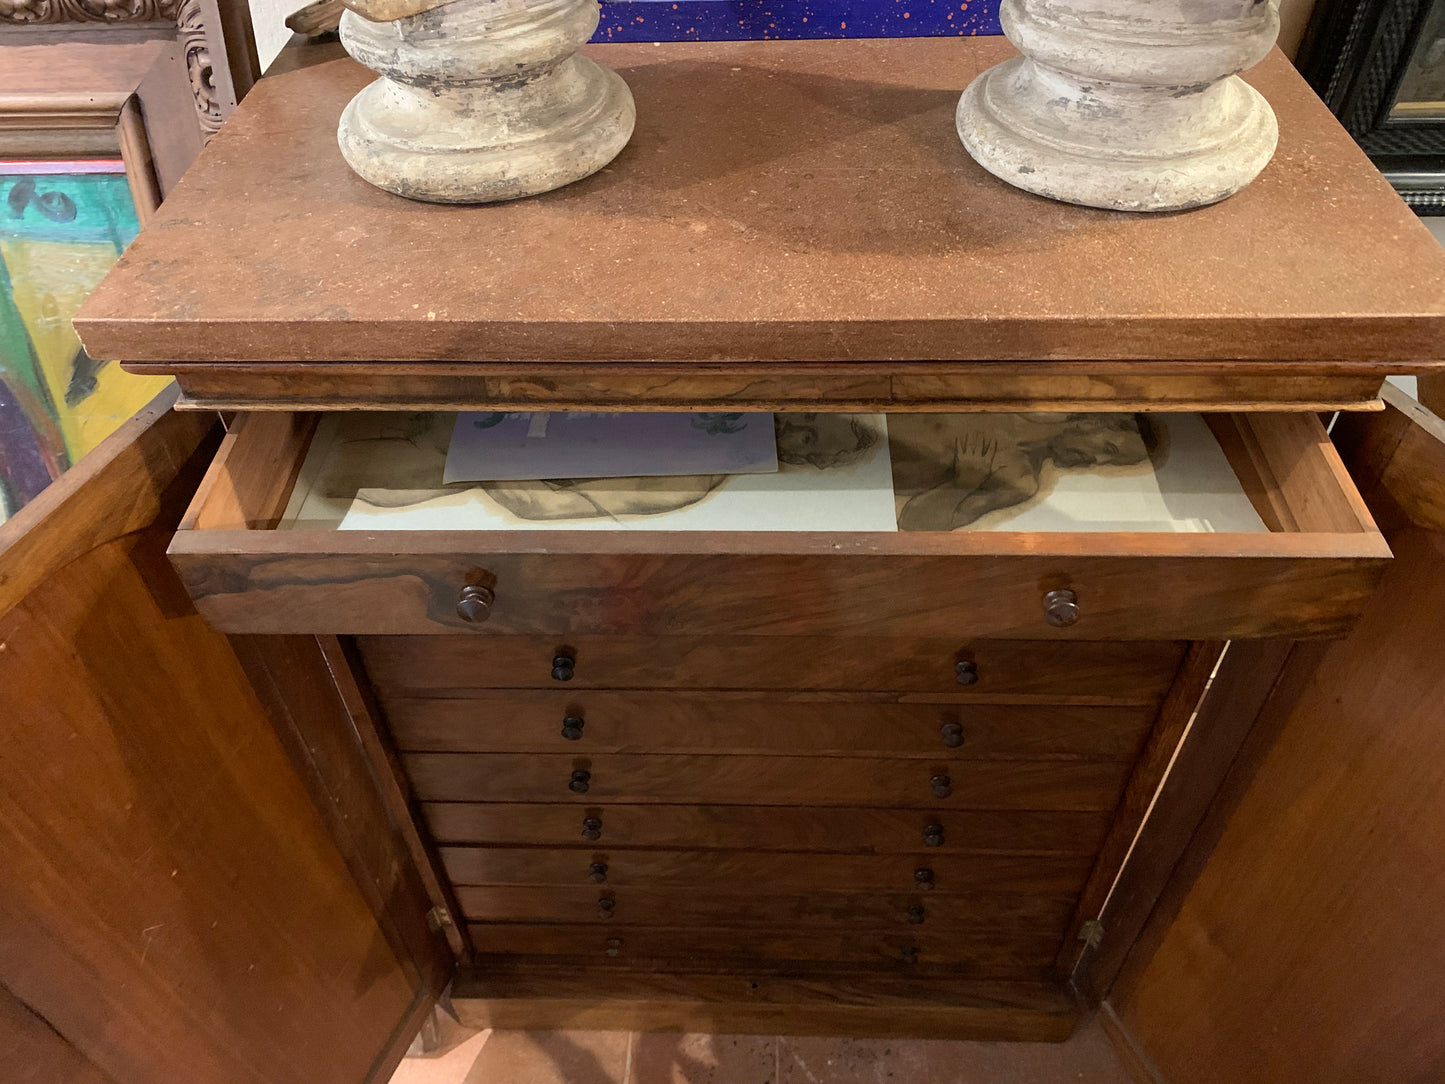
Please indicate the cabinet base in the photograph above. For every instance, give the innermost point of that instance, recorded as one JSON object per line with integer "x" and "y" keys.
{"x": 514, "y": 992}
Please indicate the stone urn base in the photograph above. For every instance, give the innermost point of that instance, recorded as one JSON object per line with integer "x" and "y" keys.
{"x": 1130, "y": 105}
{"x": 482, "y": 100}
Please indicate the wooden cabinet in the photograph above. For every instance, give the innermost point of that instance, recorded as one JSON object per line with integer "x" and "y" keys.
{"x": 864, "y": 783}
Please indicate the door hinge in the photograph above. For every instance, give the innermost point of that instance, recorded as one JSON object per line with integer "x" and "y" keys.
{"x": 438, "y": 918}
{"x": 1091, "y": 933}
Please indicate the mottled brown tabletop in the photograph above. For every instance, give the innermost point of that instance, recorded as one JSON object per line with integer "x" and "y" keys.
{"x": 802, "y": 205}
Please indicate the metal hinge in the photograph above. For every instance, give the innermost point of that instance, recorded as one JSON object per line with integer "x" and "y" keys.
{"x": 438, "y": 918}
{"x": 1091, "y": 933}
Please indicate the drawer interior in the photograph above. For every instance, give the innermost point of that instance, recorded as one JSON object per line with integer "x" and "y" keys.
{"x": 1304, "y": 570}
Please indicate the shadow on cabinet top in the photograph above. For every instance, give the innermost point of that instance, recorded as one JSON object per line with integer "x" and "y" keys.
{"x": 801, "y": 203}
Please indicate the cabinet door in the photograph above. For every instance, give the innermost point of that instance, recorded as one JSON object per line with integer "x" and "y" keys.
{"x": 176, "y": 905}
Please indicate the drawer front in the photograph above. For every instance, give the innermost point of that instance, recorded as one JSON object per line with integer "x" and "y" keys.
{"x": 766, "y": 828}
{"x": 723, "y": 722}
{"x": 749, "y": 780}
{"x": 1170, "y": 587}
{"x": 1055, "y": 875}
{"x": 918, "y": 912}
{"x": 983, "y": 955}
{"x": 1129, "y": 673}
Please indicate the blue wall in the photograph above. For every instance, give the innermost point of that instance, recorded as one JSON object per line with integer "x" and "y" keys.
{"x": 719, "y": 20}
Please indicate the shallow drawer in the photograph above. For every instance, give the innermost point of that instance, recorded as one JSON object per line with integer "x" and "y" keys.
{"x": 981, "y": 954}
{"x": 1308, "y": 575}
{"x": 772, "y": 780}
{"x": 723, "y": 722}
{"x": 404, "y": 667}
{"x": 921, "y": 912}
{"x": 947, "y": 874}
{"x": 767, "y": 828}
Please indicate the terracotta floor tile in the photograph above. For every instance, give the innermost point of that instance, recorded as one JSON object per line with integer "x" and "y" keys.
{"x": 703, "y": 1059}
{"x": 545, "y": 1057}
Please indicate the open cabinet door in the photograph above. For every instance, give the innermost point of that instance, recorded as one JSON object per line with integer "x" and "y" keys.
{"x": 1301, "y": 937}
{"x": 196, "y": 887}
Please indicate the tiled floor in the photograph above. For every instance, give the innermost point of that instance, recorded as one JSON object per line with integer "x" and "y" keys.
{"x": 617, "y": 1057}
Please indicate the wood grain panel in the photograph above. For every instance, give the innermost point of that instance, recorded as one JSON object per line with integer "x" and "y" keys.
{"x": 722, "y": 722}
{"x": 746, "y": 780}
{"x": 1058, "y": 875}
{"x": 744, "y": 908}
{"x": 1301, "y": 937}
{"x": 766, "y": 828}
{"x": 1127, "y": 673}
{"x": 974, "y": 584}
{"x": 1016, "y": 954}
{"x": 35, "y": 1053}
{"x": 508, "y": 992}
{"x": 173, "y": 904}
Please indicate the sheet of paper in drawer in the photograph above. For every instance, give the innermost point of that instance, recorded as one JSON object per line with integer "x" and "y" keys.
{"x": 834, "y": 475}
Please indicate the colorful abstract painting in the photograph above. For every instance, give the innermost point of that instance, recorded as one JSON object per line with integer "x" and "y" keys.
{"x": 62, "y": 226}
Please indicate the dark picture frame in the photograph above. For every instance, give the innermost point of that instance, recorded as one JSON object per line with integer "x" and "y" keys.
{"x": 1355, "y": 55}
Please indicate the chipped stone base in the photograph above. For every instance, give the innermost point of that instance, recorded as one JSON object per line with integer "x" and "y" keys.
{"x": 1132, "y": 105}
{"x": 481, "y": 100}
{"x": 1125, "y": 148}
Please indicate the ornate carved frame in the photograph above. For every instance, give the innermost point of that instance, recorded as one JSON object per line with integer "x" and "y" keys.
{"x": 214, "y": 35}
{"x": 1354, "y": 54}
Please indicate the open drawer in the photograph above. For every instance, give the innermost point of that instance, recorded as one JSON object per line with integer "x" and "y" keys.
{"x": 1307, "y": 575}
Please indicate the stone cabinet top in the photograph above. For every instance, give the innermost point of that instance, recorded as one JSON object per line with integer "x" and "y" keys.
{"x": 800, "y": 208}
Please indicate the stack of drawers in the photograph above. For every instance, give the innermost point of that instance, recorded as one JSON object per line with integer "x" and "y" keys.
{"x": 769, "y": 803}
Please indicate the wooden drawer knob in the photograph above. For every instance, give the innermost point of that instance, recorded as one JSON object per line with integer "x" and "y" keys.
{"x": 598, "y": 872}
{"x": 605, "y": 906}
{"x": 916, "y": 915}
{"x": 592, "y": 828}
{"x": 563, "y": 667}
{"x": 475, "y": 604}
{"x": 923, "y": 877}
{"x": 1061, "y": 608}
{"x": 965, "y": 672}
{"x": 952, "y": 734}
{"x": 572, "y": 727}
{"x": 613, "y": 946}
{"x": 941, "y": 785}
{"x": 580, "y": 782}
{"x": 933, "y": 835}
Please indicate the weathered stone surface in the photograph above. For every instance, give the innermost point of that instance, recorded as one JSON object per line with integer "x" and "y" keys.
{"x": 1131, "y": 105}
{"x": 482, "y": 100}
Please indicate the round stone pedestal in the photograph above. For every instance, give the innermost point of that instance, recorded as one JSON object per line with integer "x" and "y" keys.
{"x": 1131, "y": 105}
{"x": 482, "y": 100}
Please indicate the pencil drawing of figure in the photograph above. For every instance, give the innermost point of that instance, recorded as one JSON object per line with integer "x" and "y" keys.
{"x": 822, "y": 441}
{"x": 951, "y": 469}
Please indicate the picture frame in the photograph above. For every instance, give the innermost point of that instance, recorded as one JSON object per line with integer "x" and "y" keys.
{"x": 1360, "y": 56}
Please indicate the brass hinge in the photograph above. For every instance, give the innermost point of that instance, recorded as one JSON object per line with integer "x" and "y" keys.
{"x": 1091, "y": 933}
{"x": 438, "y": 918}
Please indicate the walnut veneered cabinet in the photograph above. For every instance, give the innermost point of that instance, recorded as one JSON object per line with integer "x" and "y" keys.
{"x": 782, "y": 781}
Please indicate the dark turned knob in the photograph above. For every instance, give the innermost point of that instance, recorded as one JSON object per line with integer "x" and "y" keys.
{"x": 965, "y": 672}
{"x": 614, "y": 946}
{"x": 592, "y": 828}
{"x": 909, "y": 954}
{"x": 952, "y": 734}
{"x": 563, "y": 667}
{"x": 598, "y": 871}
{"x": 605, "y": 906}
{"x": 572, "y": 727}
{"x": 475, "y": 603}
{"x": 915, "y": 915}
{"x": 581, "y": 780}
{"x": 923, "y": 877}
{"x": 1061, "y": 608}
{"x": 942, "y": 786}
{"x": 933, "y": 835}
